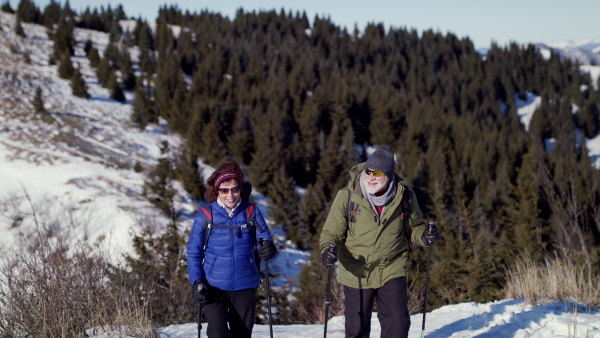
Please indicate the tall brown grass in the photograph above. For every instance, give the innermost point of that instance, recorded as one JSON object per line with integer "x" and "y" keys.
{"x": 552, "y": 280}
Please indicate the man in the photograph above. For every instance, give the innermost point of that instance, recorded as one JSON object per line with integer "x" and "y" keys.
{"x": 371, "y": 223}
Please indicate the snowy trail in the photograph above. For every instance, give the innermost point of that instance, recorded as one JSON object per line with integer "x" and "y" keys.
{"x": 506, "y": 318}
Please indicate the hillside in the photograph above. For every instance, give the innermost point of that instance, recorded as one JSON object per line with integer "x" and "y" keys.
{"x": 76, "y": 162}
{"x": 462, "y": 138}
{"x": 80, "y": 155}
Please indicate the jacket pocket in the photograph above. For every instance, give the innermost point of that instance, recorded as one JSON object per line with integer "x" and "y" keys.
{"x": 209, "y": 264}
{"x": 253, "y": 263}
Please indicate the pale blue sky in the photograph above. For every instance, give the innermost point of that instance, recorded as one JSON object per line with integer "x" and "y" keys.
{"x": 521, "y": 21}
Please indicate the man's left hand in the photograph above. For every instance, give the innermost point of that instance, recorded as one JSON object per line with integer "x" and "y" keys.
{"x": 431, "y": 234}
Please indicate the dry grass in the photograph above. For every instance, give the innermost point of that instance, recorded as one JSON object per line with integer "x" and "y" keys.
{"x": 550, "y": 281}
{"x": 52, "y": 286}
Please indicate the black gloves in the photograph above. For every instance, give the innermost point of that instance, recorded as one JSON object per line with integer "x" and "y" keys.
{"x": 329, "y": 256}
{"x": 266, "y": 250}
{"x": 199, "y": 292}
{"x": 431, "y": 234}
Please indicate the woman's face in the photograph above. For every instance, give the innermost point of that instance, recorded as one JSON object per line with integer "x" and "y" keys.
{"x": 229, "y": 193}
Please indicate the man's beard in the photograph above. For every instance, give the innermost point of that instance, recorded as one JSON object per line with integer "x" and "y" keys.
{"x": 375, "y": 189}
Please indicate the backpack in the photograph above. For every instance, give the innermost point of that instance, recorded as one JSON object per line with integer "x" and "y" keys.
{"x": 207, "y": 226}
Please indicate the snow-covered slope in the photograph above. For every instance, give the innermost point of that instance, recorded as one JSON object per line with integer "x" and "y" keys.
{"x": 76, "y": 162}
{"x": 79, "y": 156}
{"x": 506, "y": 318}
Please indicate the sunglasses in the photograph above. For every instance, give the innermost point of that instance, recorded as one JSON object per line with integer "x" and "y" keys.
{"x": 374, "y": 172}
{"x": 226, "y": 191}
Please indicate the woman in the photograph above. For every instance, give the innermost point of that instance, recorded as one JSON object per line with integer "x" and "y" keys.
{"x": 224, "y": 276}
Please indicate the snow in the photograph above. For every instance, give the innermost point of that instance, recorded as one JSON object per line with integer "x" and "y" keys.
{"x": 594, "y": 72}
{"x": 79, "y": 159}
{"x": 505, "y": 318}
{"x": 526, "y": 108}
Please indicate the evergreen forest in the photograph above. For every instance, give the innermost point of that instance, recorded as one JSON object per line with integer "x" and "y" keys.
{"x": 299, "y": 100}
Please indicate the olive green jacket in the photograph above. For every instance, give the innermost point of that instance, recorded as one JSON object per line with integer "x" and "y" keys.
{"x": 373, "y": 249}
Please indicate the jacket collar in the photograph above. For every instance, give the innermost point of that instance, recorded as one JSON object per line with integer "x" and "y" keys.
{"x": 231, "y": 213}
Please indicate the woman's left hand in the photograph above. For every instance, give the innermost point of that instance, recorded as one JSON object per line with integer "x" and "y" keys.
{"x": 267, "y": 250}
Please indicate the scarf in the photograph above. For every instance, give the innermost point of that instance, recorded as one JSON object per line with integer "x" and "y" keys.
{"x": 380, "y": 201}
{"x": 229, "y": 211}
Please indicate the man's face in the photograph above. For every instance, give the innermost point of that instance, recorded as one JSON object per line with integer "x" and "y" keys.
{"x": 375, "y": 184}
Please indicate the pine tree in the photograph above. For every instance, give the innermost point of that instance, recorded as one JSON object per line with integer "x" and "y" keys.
{"x": 523, "y": 213}
{"x": 27, "y": 11}
{"x": 337, "y": 156}
{"x": 589, "y": 119}
{"x": 284, "y": 208}
{"x": 170, "y": 98}
{"x": 116, "y": 93}
{"x": 115, "y": 32}
{"x": 126, "y": 68}
{"x": 19, "y": 28}
{"x": 78, "y": 85}
{"x": 63, "y": 37}
{"x": 38, "y": 102}
{"x": 88, "y": 47}
{"x": 264, "y": 164}
{"x": 210, "y": 147}
{"x": 241, "y": 141}
{"x": 51, "y": 14}
{"x": 143, "y": 106}
{"x": 188, "y": 172}
{"x": 6, "y": 7}
{"x": 159, "y": 189}
{"x": 65, "y": 67}
{"x": 104, "y": 72}
{"x": 94, "y": 57}
{"x": 158, "y": 269}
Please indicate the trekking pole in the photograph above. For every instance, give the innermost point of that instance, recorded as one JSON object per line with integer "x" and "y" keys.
{"x": 261, "y": 242}
{"x": 327, "y": 302}
{"x": 199, "y": 320}
{"x": 429, "y": 246}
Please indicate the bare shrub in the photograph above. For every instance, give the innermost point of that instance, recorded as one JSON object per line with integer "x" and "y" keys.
{"x": 554, "y": 280}
{"x": 310, "y": 310}
{"x": 55, "y": 286}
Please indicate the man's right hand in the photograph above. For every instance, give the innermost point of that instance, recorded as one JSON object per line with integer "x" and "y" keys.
{"x": 199, "y": 292}
{"x": 329, "y": 256}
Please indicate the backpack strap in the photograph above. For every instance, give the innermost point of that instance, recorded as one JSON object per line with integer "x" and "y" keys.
{"x": 351, "y": 210}
{"x": 208, "y": 222}
{"x": 251, "y": 218}
{"x": 207, "y": 225}
{"x": 405, "y": 203}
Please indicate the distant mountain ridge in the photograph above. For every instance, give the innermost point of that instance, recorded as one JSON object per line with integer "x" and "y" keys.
{"x": 587, "y": 52}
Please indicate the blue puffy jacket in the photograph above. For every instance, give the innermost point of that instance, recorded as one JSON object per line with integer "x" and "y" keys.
{"x": 228, "y": 263}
